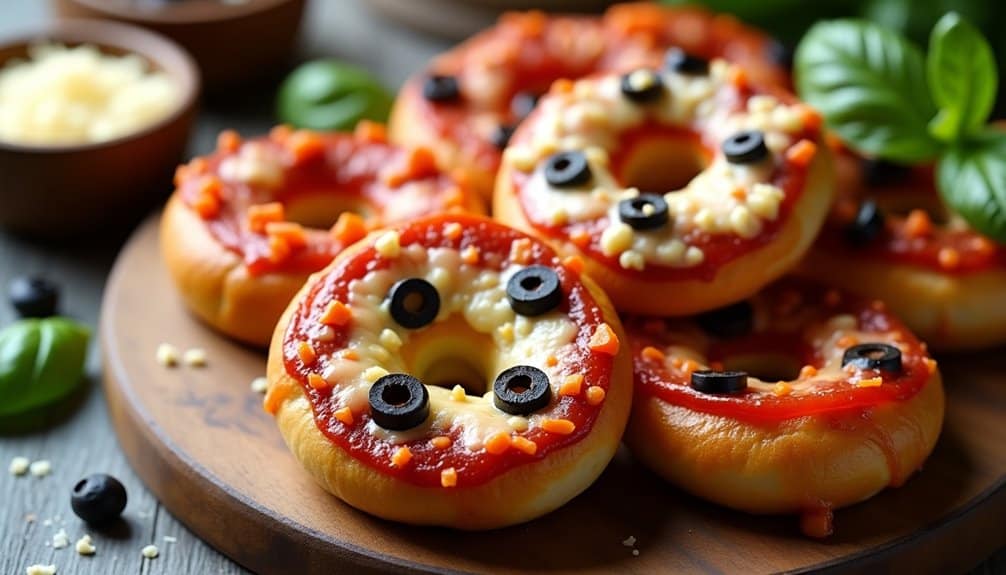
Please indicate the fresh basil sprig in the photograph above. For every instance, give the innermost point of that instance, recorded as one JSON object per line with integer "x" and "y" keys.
{"x": 41, "y": 362}
{"x": 884, "y": 99}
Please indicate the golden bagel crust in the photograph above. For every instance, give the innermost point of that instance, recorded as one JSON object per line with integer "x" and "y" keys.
{"x": 526, "y": 51}
{"x": 794, "y": 467}
{"x": 217, "y": 283}
{"x": 520, "y": 494}
{"x": 735, "y": 281}
{"x": 214, "y": 282}
{"x": 949, "y": 312}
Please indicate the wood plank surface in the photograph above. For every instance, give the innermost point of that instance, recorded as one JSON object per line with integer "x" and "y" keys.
{"x": 84, "y": 442}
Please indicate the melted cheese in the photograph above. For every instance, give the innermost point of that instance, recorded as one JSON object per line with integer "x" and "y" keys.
{"x": 725, "y": 198}
{"x": 478, "y": 297}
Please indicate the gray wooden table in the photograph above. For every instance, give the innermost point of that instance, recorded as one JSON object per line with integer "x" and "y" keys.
{"x": 33, "y": 509}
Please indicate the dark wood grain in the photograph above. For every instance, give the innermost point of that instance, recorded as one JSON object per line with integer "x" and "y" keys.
{"x": 173, "y": 423}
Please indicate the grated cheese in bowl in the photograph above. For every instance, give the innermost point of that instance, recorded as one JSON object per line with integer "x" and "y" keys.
{"x": 76, "y": 95}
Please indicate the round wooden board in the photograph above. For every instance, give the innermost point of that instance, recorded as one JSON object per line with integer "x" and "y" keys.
{"x": 201, "y": 442}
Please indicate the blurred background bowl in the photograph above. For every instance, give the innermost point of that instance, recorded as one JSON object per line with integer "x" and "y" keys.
{"x": 457, "y": 19}
{"x": 66, "y": 190}
{"x": 233, "y": 43}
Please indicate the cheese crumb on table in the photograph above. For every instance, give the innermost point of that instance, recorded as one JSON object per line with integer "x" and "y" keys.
{"x": 60, "y": 539}
{"x": 41, "y": 570}
{"x": 629, "y": 541}
{"x": 150, "y": 551}
{"x": 40, "y": 468}
{"x": 19, "y": 466}
{"x": 167, "y": 355}
{"x": 85, "y": 546}
{"x": 195, "y": 357}
{"x": 260, "y": 385}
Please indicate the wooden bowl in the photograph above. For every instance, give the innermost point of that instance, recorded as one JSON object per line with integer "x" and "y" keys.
{"x": 465, "y": 17}
{"x": 233, "y": 43}
{"x": 67, "y": 190}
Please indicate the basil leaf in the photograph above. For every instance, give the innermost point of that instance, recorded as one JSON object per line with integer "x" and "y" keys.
{"x": 41, "y": 361}
{"x": 962, "y": 78}
{"x": 331, "y": 95}
{"x": 870, "y": 85}
{"x": 972, "y": 181}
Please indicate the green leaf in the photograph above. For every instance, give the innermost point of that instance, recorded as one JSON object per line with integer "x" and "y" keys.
{"x": 972, "y": 182}
{"x": 963, "y": 77}
{"x": 41, "y": 361}
{"x": 870, "y": 85}
{"x": 331, "y": 95}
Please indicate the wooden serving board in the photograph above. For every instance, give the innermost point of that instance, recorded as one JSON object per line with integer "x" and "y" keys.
{"x": 203, "y": 445}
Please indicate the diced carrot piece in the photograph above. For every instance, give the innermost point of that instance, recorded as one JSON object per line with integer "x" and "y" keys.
{"x": 524, "y": 444}
{"x": 305, "y": 146}
{"x": 572, "y": 384}
{"x": 802, "y": 153}
{"x": 417, "y": 163}
{"x": 337, "y": 313}
{"x": 281, "y": 133}
{"x": 558, "y": 426}
{"x": 279, "y": 249}
{"x": 449, "y": 477}
{"x": 574, "y": 263}
{"x": 807, "y": 372}
{"x": 498, "y": 443}
{"x": 470, "y": 255}
{"x": 949, "y": 258}
{"x": 653, "y": 354}
{"x": 349, "y": 354}
{"x": 812, "y": 120}
{"x": 604, "y": 340}
{"x": 401, "y": 457}
{"x": 580, "y": 238}
{"x": 441, "y": 442}
{"x": 316, "y": 381}
{"x": 207, "y": 206}
{"x": 345, "y": 415}
{"x": 306, "y": 353}
{"x": 291, "y": 232}
{"x": 262, "y": 214}
{"x": 782, "y": 388}
{"x": 870, "y": 382}
{"x": 228, "y": 141}
{"x": 595, "y": 395}
{"x": 551, "y": 361}
{"x": 452, "y": 231}
{"x": 367, "y": 131}
{"x": 348, "y": 228}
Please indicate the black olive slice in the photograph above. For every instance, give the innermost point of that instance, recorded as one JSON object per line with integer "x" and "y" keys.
{"x": 709, "y": 381}
{"x": 878, "y": 173}
{"x": 414, "y": 303}
{"x": 867, "y": 226}
{"x": 747, "y": 147}
{"x": 33, "y": 296}
{"x": 644, "y": 212}
{"x": 873, "y": 356}
{"x": 642, "y": 85}
{"x": 500, "y": 136}
{"x": 521, "y": 389}
{"x": 399, "y": 401}
{"x": 534, "y": 290}
{"x": 522, "y": 104}
{"x": 440, "y": 88}
{"x": 780, "y": 53}
{"x": 728, "y": 322}
{"x": 677, "y": 60}
{"x": 567, "y": 169}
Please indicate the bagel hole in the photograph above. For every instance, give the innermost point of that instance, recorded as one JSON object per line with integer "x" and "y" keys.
{"x": 765, "y": 367}
{"x": 448, "y": 353}
{"x": 320, "y": 210}
{"x": 396, "y": 395}
{"x": 662, "y": 163}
